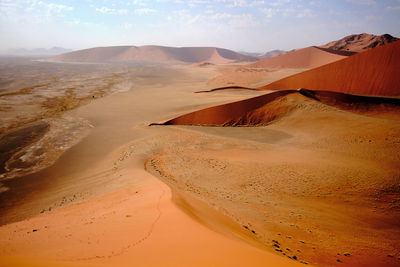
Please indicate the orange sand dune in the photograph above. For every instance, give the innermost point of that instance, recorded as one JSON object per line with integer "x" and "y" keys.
{"x": 138, "y": 225}
{"x": 243, "y": 112}
{"x": 374, "y": 72}
{"x": 360, "y": 42}
{"x": 153, "y": 53}
{"x": 309, "y": 57}
{"x": 262, "y": 110}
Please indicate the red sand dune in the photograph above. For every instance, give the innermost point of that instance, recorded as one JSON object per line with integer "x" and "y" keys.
{"x": 360, "y": 42}
{"x": 236, "y": 113}
{"x": 309, "y": 57}
{"x": 374, "y": 72}
{"x": 153, "y": 53}
{"x": 262, "y": 110}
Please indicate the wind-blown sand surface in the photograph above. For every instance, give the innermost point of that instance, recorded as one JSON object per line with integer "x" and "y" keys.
{"x": 136, "y": 225}
{"x": 328, "y": 190}
{"x": 317, "y": 183}
{"x": 96, "y": 205}
{"x": 320, "y": 181}
{"x": 373, "y": 72}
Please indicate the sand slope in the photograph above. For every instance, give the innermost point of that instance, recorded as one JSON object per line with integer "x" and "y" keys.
{"x": 360, "y": 42}
{"x": 133, "y": 220}
{"x": 374, "y": 72}
{"x": 236, "y": 113}
{"x": 125, "y": 228}
{"x": 272, "y": 53}
{"x": 153, "y": 53}
{"x": 309, "y": 57}
{"x": 319, "y": 180}
{"x": 316, "y": 183}
{"x": 264, "y": 109}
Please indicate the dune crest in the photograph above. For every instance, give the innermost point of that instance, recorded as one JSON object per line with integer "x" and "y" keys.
{"x": 272, "y": 53}
{"x": 309, "y": 57}
{"x": 374, "y": 72}
{"x": 153, "y": 53}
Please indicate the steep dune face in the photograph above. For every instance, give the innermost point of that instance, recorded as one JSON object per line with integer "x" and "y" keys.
{"x": 246, "y": 112}
{"x": 360, "y": 42}
{"x": 309, "y": 57}
{"x": 374, "y": 72}
{"x": 262, "y": 110}
{"x": 153, "y": 53}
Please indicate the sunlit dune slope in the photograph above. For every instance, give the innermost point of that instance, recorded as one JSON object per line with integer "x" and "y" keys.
{"x": 374, "y": 72}
{"x": 309, "y": 57}
{"x": 153, "y": 53}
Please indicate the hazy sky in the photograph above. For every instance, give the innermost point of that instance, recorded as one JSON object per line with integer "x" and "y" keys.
{"x": 247, "y": 25}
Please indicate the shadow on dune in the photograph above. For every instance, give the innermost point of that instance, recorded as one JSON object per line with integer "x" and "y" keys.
{"x": 227, "y": 88}
{"x": 264, "y": 109}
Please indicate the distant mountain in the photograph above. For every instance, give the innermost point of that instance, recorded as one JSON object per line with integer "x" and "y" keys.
{"x": 360, "y": 42}
{"x": 269, "y": 54}
{"x": 153, "y": 53}
{"x": 37, "y": 51}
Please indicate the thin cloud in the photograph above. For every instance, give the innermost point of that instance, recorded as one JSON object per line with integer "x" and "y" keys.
{"x": 236, "y": 20}
{"x": 279, "y": 3}
{"x": 362, "y": 2}
{"x": 128, "y": 26}
{"x": 257, "y": 3}
{"x": 194, "y": 3}
{"x": 392, "y": 8}
{"x": 194, "y": 19}
{"x": 234, "y": 3}
{"x": 106, "y": 10}
{"x": 54, "y": 8}
{"x": 137, "y": 3}
{"x": 306, "y": 13}
{"x": 219, "y": 16}
{"x": 270, "y": 12}
{"x": 145, "y": 11}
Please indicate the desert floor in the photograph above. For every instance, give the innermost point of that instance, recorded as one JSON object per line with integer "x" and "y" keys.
{"x": 317, "y": 186}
